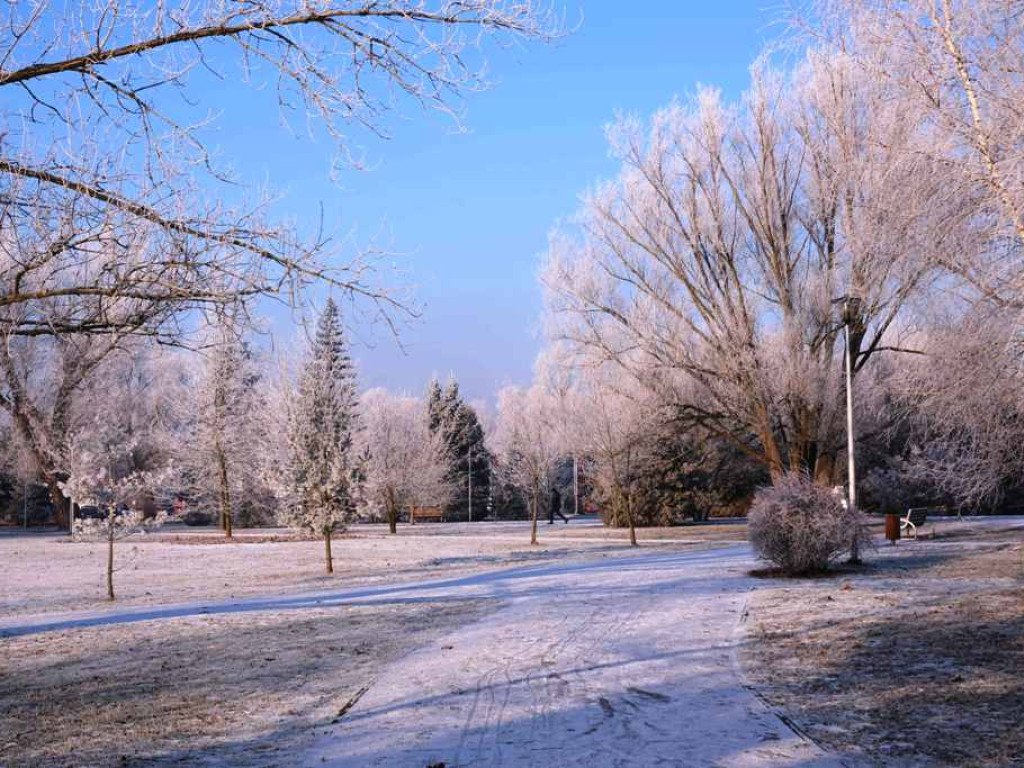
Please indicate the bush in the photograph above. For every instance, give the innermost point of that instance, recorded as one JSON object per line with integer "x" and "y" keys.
{"x": 195, "y": 517}
{"x": 802, "y": 527}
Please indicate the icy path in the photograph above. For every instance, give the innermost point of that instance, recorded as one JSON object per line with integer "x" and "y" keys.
{"x": 613, "y": 661}
{"x": 619, "y": 662}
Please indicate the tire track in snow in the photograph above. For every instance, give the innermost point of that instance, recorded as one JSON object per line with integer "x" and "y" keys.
{"x": 624, "y": 663}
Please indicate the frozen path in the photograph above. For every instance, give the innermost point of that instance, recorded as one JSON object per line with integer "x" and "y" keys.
{"x": 606, "y": 661}
{"x": 622, "y": 662}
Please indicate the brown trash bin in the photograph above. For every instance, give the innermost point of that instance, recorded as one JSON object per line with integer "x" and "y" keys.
{"x": 892, "y": 526}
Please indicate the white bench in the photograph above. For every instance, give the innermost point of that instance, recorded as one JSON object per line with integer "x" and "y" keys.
{"x": 914, "y": 519}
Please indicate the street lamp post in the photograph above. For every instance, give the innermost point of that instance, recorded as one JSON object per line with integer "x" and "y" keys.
{"x": 851, "y": 314}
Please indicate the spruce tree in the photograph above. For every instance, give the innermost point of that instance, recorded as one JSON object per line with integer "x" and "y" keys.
{"x": 463, "y": 437}
{"x": 323, "y": 426}
{"x": 435, "y": 406}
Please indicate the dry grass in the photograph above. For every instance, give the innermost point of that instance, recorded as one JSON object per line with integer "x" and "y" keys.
{"x": 46, "y": 573}
{"x": 915, "y": 659}
{"x": 724, "y": 530}
{"x": 237, "y": 688}
{"x": 231, "y": 689}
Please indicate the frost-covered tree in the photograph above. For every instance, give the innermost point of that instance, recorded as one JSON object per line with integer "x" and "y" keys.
{"x": 528, "y": 444}
{"x": 953, "y": 68}
{"x": 228, "y": 434}
{"x": 53, "y": 386}
{"x": 118, "y": 452}
{"x": 323, "y": 421}
{"x": 117, "y": 502}
{"x": 405, "y": 463}
{"x": 113, "y": 197}
{"x": 611, "y": 420}
{"x": 117, "y": 217}
{"x": 41, "y": 381}
{"x": 715, "y": 257}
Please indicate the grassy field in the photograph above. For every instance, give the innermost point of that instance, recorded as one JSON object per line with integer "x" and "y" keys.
{"x": 231, "y": 689}
{"x": 914, "y": 659}
{"x": 47, "y": 572}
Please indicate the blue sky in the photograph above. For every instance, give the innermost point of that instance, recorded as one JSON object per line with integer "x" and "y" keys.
{"x": 471, "y": 212}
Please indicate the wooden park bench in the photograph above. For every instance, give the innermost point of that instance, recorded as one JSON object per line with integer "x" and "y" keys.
{"x": 425, "y": 513}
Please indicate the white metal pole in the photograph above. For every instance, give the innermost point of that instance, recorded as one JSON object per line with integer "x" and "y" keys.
{"x": 850, "y": 458}
{"x": 851, "y": 468}
{"x": 470, "y": 475}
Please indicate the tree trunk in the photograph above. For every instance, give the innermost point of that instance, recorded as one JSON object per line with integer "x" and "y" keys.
{"x": 772, "y": 454}
{"x": 110, "y": 561}
{"x": 391, "y": 511}
{"x": 629, "y": 519}
{"x": 825, "y": 469}
{"x": 61, "y": 503}
{"x": 327, "y": 552}
{"x": 534, "y": 503}
{"x": 224, "y": 492}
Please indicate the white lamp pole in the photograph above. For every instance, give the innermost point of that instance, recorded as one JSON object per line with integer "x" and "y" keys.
{"x": 851, "y": 463}
{"x": 851, "y": 308}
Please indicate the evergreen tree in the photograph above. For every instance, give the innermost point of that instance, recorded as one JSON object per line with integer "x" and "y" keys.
{"x": 435, "y": 406}
{"x": 463, "y": 435}
{"x": 322, "y": 429}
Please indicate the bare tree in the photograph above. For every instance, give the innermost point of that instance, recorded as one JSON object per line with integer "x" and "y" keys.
{"x": 113, "y": 218}
{"x": 709, "y": 267}
{"x": 42, "y": 382}
{"x": 225, "y": 411}
{"x": 116, "y": 501}
{"x": 953, "y": 67}
{"x": 611, "y": 420}
{"x": 116, "y": 452}
{"x": 105, "y": 161}
{"x": 405, "y": 463}
{"x": 961, "y": 409}
{"x": 528, "y": 443}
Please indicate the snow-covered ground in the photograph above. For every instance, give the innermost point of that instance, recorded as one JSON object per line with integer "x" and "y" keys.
{"x": 45, "y": 572}
{"x": 580, "y": 652}
{"x": 592, "y": 652}
{"x": 914, "y": 660}
{"x": 610, "y": 663}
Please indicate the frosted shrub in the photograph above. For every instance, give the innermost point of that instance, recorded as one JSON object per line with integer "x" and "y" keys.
{"x": 802, "y": 527}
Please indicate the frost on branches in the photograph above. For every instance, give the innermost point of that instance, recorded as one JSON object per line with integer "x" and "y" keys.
{"x": 406, "y": 464}
{"x": 228, "y": 434}
{"x": 104, "y": 480}
{"x": 323, "y": 474}
{"x": 528, "y": 444}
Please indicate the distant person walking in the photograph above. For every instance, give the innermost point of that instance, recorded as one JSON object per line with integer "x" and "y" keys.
{"x": 555, "y": 507}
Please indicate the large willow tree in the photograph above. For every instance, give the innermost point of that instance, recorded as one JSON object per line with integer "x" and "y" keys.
{"x": 711, "y": 266}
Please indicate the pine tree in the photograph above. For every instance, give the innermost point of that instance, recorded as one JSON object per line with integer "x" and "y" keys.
{"x": 322, "y": 431}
